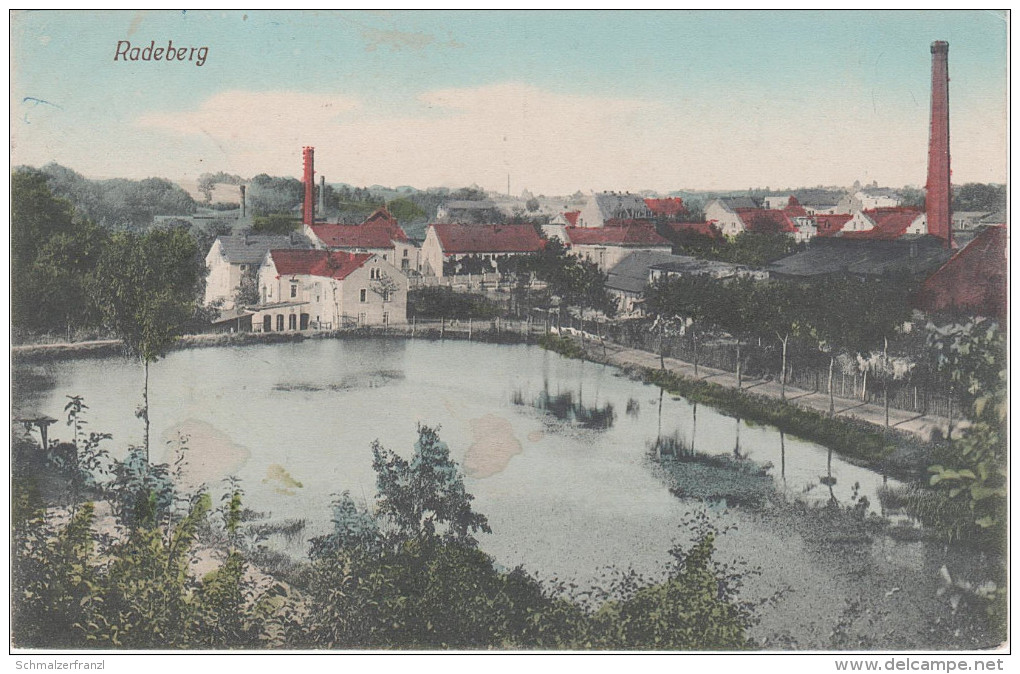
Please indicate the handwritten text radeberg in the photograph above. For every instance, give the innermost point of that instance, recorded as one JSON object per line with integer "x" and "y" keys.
{"x": 154, "y": 53}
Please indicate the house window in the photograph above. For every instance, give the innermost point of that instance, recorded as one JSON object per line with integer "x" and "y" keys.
{"x": 384, "y": 256}
{"x": 386, "y": 318}
{"x": 293, "y": 290}
{"x": 362, "y": 319}
{"x": 405, "y": 252}
{"x": 292, "y": 322}
{"x": 386, "y": 296}
{"x": 244, "y": 267}
{"x": 364, "y": 295}
{"x": 279, "y": 322}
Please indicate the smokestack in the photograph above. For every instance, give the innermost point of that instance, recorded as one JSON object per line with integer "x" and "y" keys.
{"x": 308, "y": 210}
{"x": 242, "y": 201}
{"x": 938, "y": 189}
{"x": 322, "y": 196}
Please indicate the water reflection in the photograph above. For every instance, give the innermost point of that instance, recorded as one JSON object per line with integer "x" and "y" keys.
{"x": 564, "y": 407}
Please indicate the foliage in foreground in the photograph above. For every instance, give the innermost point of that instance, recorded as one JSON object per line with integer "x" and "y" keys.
{"x": 407, "y": 574}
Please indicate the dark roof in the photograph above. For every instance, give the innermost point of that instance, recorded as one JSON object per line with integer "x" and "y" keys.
{"x": 629, "y": 235}
{"x": 868, "y": 257}
{"x": 250, "y": 249}
{"x": 466, "y": 239}
{"x": 818, "y": 198}
{"x": 631, "y": 273}
{"x": 738, "y": 202}
{"x": 330, "y": 264}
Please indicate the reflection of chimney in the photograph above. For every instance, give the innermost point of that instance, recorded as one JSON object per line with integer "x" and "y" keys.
{"x": 308, "y": 210}
{"x": 322, "y": 196}
{"x": 242, "y": 202}
{"x": 938, "y": 188}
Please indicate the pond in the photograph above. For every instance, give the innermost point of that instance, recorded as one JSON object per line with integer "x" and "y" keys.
{"x": 577, "y": 467}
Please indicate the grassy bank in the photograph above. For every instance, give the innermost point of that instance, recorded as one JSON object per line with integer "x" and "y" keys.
{"x": 859, "y": 441}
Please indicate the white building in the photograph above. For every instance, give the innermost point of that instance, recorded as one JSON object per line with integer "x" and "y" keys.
{"x": 230, "y": 257}
{"x": 323, "y": 290}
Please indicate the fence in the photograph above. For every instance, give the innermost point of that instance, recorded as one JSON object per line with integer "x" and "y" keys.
{"x": 806, "y": 368}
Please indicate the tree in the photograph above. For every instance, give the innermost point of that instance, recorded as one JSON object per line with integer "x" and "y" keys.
{"x": 247, "y": 294}
{"x": 275, "y": 223}
{"x": 532, "y": 205}
{"x": 148, "y": 287}
{"x": 425, "y": 497}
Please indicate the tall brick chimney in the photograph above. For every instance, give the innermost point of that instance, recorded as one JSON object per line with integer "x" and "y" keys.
{"x": 308, "y": 209}
{"x": 938, "y": 189}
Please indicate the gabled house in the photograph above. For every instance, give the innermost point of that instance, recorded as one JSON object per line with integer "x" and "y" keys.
{"x": 230, "y": 257}
{"x": 606, "y": 246}
{"x": 328, "y": 290}
{"x": 830, "y": 224}
{"x": 603, "y": 207}
{"x": 766, "y": 221}
{"x": 885, "y": 224}
{"x": 723, "y": 214}
{"x": 379, "y": 234}
{"x": 819, "y": 201}
{"x": 973, "y": 281}
{"x": 448, "y": 246}
{"x": 868, "y": 198}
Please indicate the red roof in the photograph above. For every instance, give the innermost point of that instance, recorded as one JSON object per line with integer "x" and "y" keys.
{"x": 829, "y": 225}
{"x": 890, "y": 223}
{"x": 381, "y": 217}
{"x": 703, "y": 228}
{"x": 794, "y": 209}
{"x": 331, "y": 264}
{"x": 670, "y": 208}
{"x": 571, "y": 217}
{"x": 764, "y": 219}
{"x": 973, "y": 280}
{"x": 627, "y": 235}
{"x": 463, "y": 239}
{"x": 376, "y": 232}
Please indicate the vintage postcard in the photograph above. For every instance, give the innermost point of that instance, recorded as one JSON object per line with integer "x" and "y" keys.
{"x": 518, "y": 331}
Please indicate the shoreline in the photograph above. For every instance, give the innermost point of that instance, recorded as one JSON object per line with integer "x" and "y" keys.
{"x": 900, "y": 452}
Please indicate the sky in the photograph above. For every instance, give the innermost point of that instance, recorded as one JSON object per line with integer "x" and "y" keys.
{"x": 558, "y": 101}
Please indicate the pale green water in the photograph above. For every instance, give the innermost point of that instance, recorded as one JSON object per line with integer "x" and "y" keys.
{"x": 561, "y": 499}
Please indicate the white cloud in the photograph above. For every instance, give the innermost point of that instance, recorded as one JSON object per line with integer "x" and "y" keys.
{"x": 554, "y": 143}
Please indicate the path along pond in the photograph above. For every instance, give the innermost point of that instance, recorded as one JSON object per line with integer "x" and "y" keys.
{"x": 560, "y": 454}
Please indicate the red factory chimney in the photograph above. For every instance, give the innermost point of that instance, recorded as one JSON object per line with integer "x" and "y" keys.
{"x": 308, "y": 210}
{"x": 938, "y": 187}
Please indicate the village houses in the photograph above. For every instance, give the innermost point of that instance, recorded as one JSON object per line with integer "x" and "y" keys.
{"x": 231, "y": 257}
{"x": 379, "y": 234}
{"x": 328, "y": 290}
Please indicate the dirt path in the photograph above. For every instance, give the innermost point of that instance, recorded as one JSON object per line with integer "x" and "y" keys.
{"x": 902, "y": 420}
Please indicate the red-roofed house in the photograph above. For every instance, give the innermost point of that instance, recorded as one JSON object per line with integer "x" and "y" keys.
{"x": 378, "y": 234}
{"x": 671, "y": 208}
{"x": 446, "y": 245}
{"x": 830, "y": 224}
{"x": 766, "y": 221}
{"x": 323, "y": 290}
{"x": 606, "y": 246}
{"x": 885, "y": 224}
{"x": 571, "y": 217}
{"x": 972, "y": 281}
